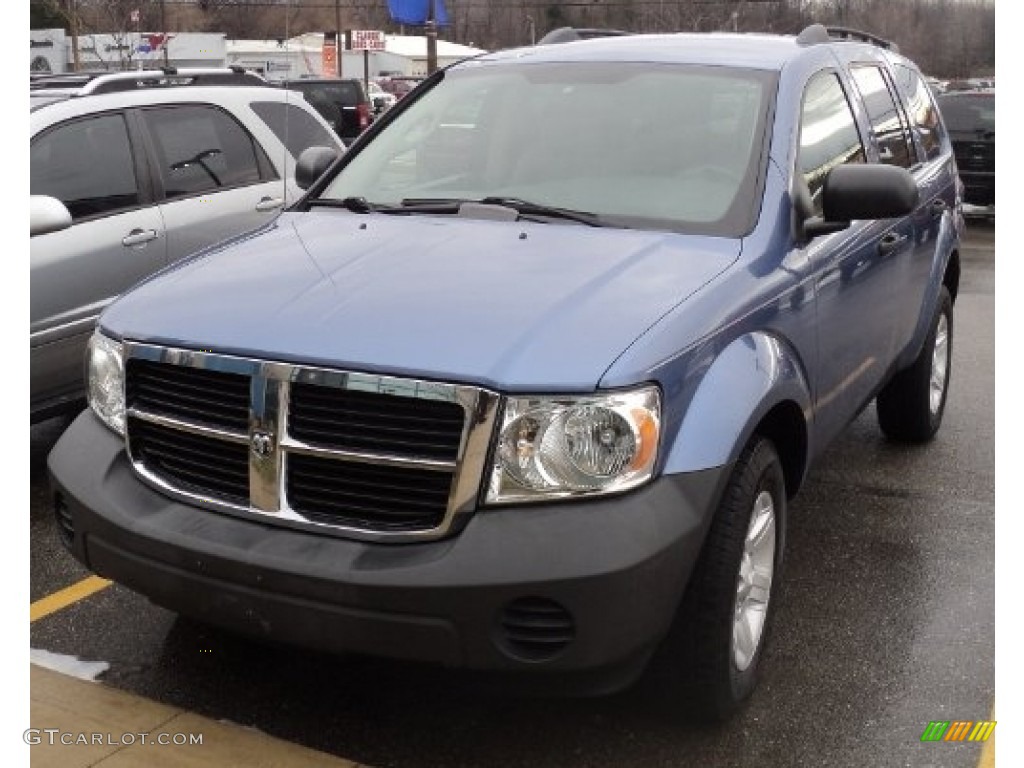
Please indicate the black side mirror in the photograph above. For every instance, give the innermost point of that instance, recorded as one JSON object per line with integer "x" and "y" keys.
{"x": 863, "y": 191}
{"x": 312, "y": 164}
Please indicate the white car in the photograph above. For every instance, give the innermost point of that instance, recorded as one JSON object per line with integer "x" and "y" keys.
{"x": 134, "y": 170}
{"x": 382, "y": 100}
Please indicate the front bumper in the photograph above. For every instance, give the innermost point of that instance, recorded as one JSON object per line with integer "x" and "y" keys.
{"x": 609, "y": 573}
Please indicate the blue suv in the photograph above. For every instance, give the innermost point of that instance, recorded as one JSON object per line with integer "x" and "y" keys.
{"x": 527, "y": 378}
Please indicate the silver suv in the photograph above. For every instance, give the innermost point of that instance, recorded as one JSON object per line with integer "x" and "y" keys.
{"x": 135, "y": 170}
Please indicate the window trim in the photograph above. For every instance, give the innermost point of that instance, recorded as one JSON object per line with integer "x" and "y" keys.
{"x": 915, "y": 130}
{"x": 912, "y": 152}
{"x": 140, "y": 165}
{"x": 267, "y": 172}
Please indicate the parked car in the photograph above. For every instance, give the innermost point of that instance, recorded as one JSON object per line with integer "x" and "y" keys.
{"x": 537, "y": 406}
{"x": 399, "y": 85}
{"x": 133, "y": 171}
{"x": 970, "y": 117}
{"x": 382, "y": 100}
{"x": 343, "y": 103}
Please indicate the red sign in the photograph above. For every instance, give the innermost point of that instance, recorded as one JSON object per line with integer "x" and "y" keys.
{"x": 367, "y": 40}
{"x": 329, "y": 56}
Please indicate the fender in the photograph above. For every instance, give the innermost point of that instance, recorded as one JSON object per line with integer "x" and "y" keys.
{"x": 753, "y": 374}
{"x": 945, "y": 244}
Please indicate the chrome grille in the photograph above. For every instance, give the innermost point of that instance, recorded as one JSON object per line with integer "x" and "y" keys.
{"x": 353, "y": 454}
{"x": 213, "y": 397}
{"x": 370, "y": 421}
{"x": 194, "y": 462}
{"x": 363, "y": 495}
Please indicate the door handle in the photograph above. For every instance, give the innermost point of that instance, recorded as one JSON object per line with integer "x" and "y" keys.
{"x": 891, "y": 242}
{"x": 138, "y": 237}
{"x": 269, "y": 204}
{"x": 938, "y": 207}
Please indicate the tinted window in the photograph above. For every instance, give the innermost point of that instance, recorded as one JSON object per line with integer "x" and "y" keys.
{"x": 201, "y": 149}
{"x": 886, "y": 122}
{"x": 923, "y": 112}
{"x": 293, "y": 126}
{"x": 87, "y": 165}
{"x": 828, "y": 133}
{"x": 970, "y": 112}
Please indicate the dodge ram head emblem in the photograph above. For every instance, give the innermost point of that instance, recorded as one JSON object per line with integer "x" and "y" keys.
{"x": 261, "y": 444}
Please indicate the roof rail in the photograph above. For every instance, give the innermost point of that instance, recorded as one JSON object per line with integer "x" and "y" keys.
{"x": 572, "y": 34}
{"x": 91, "y": 83}
{"x": 817, "y": 33}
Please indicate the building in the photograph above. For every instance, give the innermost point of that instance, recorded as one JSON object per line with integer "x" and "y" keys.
{"x": 50, "y": 50}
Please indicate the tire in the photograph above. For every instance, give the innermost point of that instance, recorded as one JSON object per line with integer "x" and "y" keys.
{"x": 910, "y": 407}
{"x": 720, "y": 669}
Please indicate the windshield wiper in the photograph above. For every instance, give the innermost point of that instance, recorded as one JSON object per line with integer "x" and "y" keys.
{"x": 523, "y": 207}
{"x": 526, "y": 208}
{"x": 354, "y": 204}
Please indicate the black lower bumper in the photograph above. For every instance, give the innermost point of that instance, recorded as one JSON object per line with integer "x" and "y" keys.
{"x": 607, "y": 575}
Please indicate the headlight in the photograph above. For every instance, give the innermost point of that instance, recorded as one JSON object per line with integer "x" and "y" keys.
{"x": 105, "y": 379}
{"x": 564, "y": 447}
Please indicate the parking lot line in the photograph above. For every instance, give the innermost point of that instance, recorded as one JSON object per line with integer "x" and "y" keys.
{"x": 44, "y": 606}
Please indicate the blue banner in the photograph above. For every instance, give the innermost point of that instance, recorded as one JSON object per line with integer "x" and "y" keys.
{"x": 415, "y": 11}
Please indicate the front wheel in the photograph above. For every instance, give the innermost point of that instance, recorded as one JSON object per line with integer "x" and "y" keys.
{"x": 910, "y": 407}
{"x": 728, "y": 604}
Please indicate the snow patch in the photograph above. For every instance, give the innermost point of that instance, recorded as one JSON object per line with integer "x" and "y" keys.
{"x": 69, "y": 665}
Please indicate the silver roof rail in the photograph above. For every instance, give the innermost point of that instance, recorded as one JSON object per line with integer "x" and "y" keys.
{"x": 818, "y": 33}
{"x": 92, "y": 83}
{"x": 572, "y": 34}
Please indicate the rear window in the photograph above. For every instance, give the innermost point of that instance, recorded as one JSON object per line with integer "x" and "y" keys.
{"x": 293, "y": 126}
{"x": 341, "y": 92}
{"x": 973, "y": 112}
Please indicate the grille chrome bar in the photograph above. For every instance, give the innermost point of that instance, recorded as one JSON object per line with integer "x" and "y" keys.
{"x": 188, "y": 426}
{"x": 270, "y": 445}
{"x": 291, "y": 445}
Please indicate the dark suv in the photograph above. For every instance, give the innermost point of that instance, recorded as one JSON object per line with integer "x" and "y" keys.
{"x": 970, "y": 117}
{"x": 342, "y": 102}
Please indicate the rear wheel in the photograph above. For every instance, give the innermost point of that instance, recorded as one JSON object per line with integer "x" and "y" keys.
{"x": 910, "y": 407}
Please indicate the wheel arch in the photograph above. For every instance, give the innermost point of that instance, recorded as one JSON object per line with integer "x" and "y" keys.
{"x": 756, "y": 385}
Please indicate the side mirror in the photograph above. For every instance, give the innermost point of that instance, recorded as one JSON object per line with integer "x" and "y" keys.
{"x": 312, "y": 164}
{"x": 48, "y": 214}
{"x": 863, "y": 191}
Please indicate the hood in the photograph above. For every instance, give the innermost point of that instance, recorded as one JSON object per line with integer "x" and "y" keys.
{"x": 517, "y": 306}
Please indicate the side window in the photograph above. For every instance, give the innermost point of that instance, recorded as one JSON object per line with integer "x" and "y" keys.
{"x": 201, "y": 149}
{"x": 87, "y": 165}
{"x": 828, "y": 133}
{"x": 924, "y": 113}
{"x": 886, "y": 122}
{"x": 293, "y": 126}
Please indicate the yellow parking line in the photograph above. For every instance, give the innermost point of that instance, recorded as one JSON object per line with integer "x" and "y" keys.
{"x": 65, "y": 597}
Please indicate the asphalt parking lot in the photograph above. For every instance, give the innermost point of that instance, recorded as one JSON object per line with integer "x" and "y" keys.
{"x": 885, "y": 622}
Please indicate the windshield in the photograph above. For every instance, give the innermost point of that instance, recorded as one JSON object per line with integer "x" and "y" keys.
{"x": 638, "y": 145}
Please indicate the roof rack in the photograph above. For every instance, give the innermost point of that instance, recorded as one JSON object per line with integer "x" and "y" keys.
{"x": 572, "y": 34}
{"x": 818, "y": 33}
{"x": 92, "y": 83}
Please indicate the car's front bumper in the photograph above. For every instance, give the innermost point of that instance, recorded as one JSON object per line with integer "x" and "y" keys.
{"x": 612, "y": 571}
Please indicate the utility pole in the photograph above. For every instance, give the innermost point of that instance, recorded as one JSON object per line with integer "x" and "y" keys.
{"x": 431, "y": 38}
{"x": 337, "y": 37}
{"x": 163, "y": 31}
{"x": 76, "y": 62}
